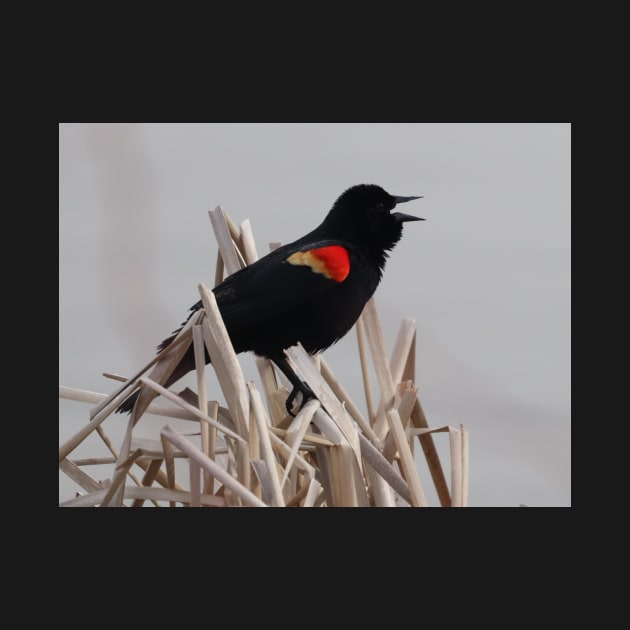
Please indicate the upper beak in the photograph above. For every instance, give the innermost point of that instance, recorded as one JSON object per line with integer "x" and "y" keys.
{"x": 405, "y": 217}
{"x": 404, "y": 199}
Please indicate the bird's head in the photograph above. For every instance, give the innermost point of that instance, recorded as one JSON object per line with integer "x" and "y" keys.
{"x": 365, "y": 214}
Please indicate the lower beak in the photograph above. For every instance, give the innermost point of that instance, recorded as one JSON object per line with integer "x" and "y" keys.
{"x": 400, "y": 217}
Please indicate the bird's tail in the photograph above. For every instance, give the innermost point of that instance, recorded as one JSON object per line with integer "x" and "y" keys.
{"x": 186, "y": 364}
{"x": 129, "y": 402}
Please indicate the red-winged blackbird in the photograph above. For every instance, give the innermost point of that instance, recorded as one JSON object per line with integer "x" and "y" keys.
{"x": 312, "y": 290}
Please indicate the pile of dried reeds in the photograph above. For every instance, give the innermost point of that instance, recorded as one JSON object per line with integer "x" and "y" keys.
{"x": 251, "y": 452}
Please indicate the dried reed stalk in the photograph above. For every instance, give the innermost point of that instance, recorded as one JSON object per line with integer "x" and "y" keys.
{"x": 224, "y": 240}
{"x": 458, "y": 441}
{"x": 144, "y": 494}
{"x": 262, "y": 422}
{"x": 418, "y": 498}
{"x": 79, "y": 476}
{"x": 194, "y": 453}
{"x": 296, "y": 432}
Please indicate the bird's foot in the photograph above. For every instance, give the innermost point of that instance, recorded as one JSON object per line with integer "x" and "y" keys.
{"x": 307, "y": 394}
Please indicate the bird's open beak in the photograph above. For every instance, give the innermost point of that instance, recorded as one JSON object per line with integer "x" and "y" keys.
{"x": 405, "y": 217}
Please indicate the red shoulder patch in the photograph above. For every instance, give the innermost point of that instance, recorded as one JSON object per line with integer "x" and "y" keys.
{"x": 336, "y": 261}
{"x": 332, "y": 261}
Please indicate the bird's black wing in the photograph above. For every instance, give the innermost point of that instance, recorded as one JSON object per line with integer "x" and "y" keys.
{"x": 271, "y": 288}
{"x": 281, "y": 282}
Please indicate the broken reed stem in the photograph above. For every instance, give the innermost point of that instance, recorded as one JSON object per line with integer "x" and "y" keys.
{"x": 284, "y": 451}
{"x": 248, "y": 244}
{"x": 112, "y": 450}
{"x": 455, "y": 437}
{"x": 418, "y": 419}
{"x": 219, "y": 269}
{"x": 209, "y": 444}
{"x": 193, "y": 410}
{"x": 208, "y": 432}
{"x": 144, "y": 494}
{"x": 360, "y": 326}
{"x": 341, "y": 393}
{"x": 380, "y": 362}
{"x": 82, "y": 395}
{"x": 464, "y": 456}
{"x": 80, "y": 477}
{"x": 402, "y": 348}
{"x": 418, "y": 498}
{"x": 303, "y": 365}
{"x": 205, "y": 462}
{"x": 93, "y": 461}
{"x": 224, "y": 240}
{"x": 260, "y": 416}
{"x": 312, "y": 494}
{"x": 224, "y": 361}
{"x": 267, "y": 374}
{"x": 384, "y": 468}
{"x": 195, "y": 483}
{"x": 296, "y": 498}
{"x": 115, "y": 493}
{"x": 296, "y": 432}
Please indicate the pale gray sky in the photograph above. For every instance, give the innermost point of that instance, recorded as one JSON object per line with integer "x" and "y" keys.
{"x": 487, "y": 276}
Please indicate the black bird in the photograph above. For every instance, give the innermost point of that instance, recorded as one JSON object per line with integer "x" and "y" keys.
{"x": 310, "y": 291}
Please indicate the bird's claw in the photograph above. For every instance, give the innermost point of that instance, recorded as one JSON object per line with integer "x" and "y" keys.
{"x": 307, "y": 394}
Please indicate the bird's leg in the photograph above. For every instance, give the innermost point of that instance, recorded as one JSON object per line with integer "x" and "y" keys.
{"x": 299, "y": 386}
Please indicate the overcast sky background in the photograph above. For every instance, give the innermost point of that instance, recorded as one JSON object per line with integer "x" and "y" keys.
{"x": 487, "y": 276}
